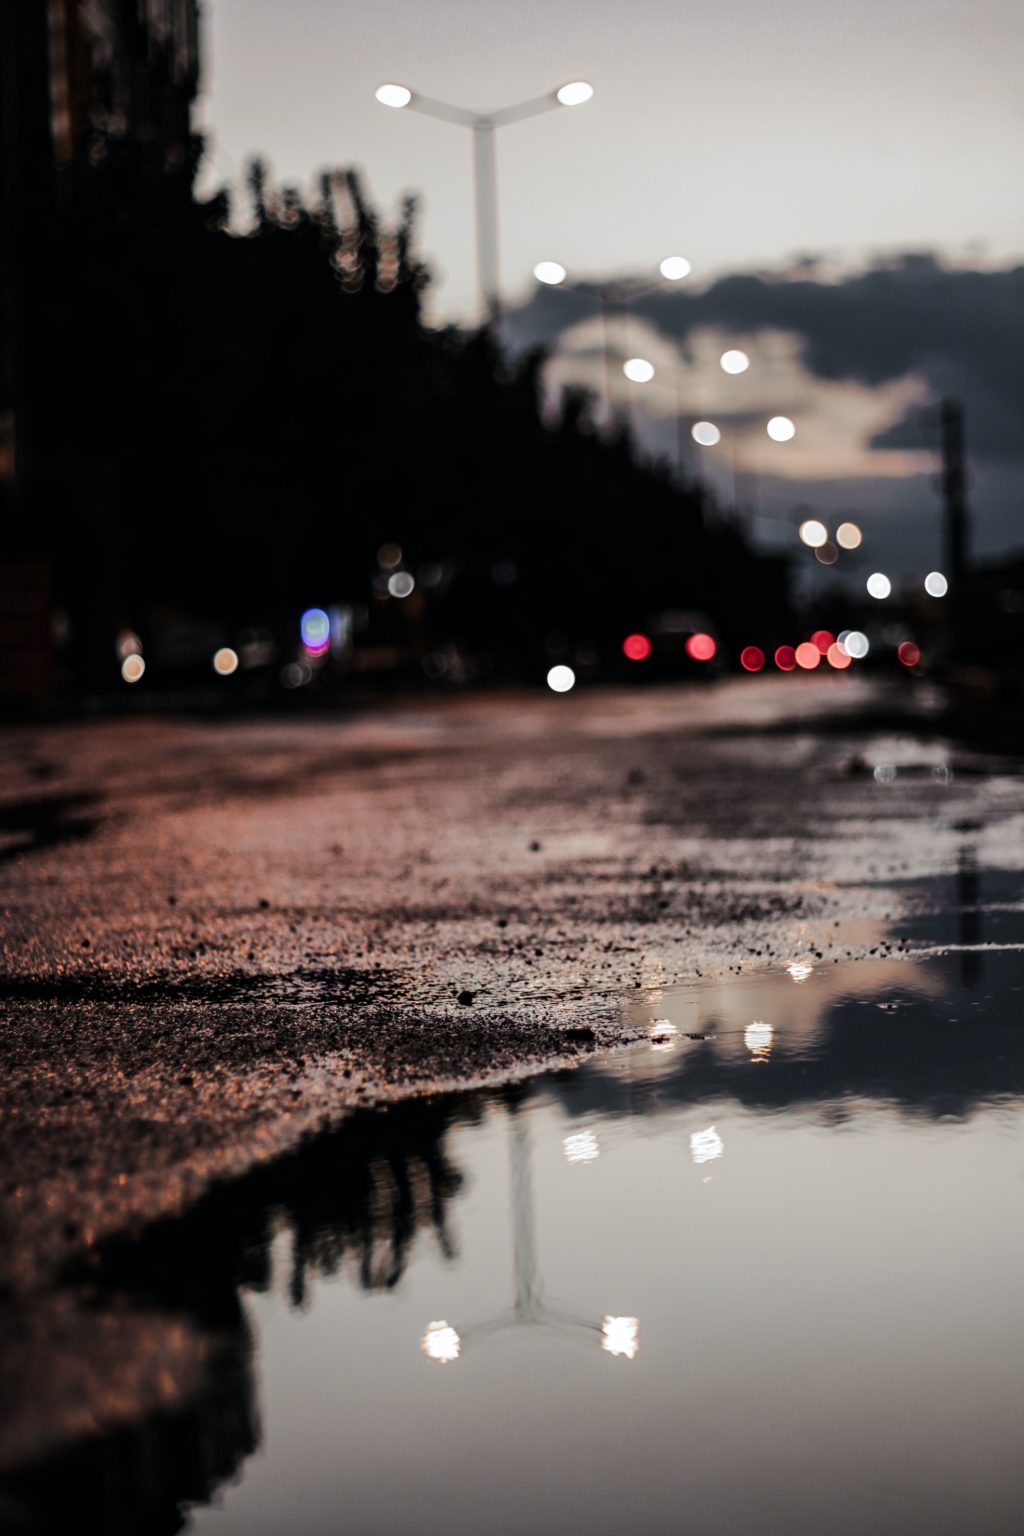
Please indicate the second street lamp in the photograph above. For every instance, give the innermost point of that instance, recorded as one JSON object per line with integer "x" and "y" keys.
{"x": 484, "y": 126}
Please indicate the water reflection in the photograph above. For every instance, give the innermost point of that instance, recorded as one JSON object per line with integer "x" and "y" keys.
{"x": 378, "y": 1201}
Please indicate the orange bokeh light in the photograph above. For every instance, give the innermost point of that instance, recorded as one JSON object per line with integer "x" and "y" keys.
{"x": 808, "y": 656}
{"x": 837, "y": 657}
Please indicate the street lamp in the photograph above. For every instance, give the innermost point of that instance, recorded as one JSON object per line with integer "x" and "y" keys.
{"x": 483, "y": 126}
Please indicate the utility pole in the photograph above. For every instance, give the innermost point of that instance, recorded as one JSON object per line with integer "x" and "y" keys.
{"x": 954, "y": 497}
{"x": 954, "y": 504}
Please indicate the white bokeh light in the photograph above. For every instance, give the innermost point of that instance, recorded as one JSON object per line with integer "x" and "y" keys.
{"x": 848, "y": 536}
{"x": 705, "y": 433}
{"x": 675, "y": 267}
{"x": 855, "y": 644}
{"x": 575, "y": 93}
{"x": 935, "y": 584}
{"x": 734, "y": 361}
{"x": 813, "y": 533}
{"x": 561, "y": 679}
{"x": 550, "y": 272}
{"x": 780, "y": 429}
{"x": 401, "y": 584}
{"x": 392, "y": 95}
{"x": 878, "y": 585}
{"x": 132, "y": 668}
{"x": 638, "y": 370}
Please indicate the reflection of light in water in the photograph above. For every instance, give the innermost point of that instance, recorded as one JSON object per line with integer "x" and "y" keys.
{"x": 705, "y": 433}
{"x": 884, "y": 773}
{"x": 575, "y": 93}
{"x": 638, "y": 370}
{"x": 935, "y": 584}
{"x": 561, "y": 679}
{"x": 663, "y": 1034}
{"x": 757, "y": 1037}
{"x": 675, "y": 267}
{"x": 621, "y": 1336}
{"x": 878, "y": 585}
{"x": 225, "y": 661}
{"x": 800, "y": 969}
{"x": 551, "y": 272}
{"x": 132, "y": 668}
{"x": 581, "y": 1147}
{"x": 441, "y": 1342}
{"x": 705, "y": 1146}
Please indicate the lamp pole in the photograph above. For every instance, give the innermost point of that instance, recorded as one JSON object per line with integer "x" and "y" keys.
{"x": 484, "y": 127}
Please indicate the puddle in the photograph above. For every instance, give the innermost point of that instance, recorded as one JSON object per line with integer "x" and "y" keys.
{"x": 761, "y": 1273}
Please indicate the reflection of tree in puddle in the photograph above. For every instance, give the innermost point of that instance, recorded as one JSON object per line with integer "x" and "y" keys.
{"x": 143, "y": 1365}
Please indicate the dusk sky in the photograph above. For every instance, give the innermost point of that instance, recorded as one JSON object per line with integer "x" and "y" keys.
{"x": 740, "y": 136}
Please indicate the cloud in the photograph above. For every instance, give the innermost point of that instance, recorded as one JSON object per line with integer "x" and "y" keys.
{"x": 959, "y": 331}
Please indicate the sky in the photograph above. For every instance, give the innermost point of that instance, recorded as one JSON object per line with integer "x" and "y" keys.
{"x": 744, "y": 136}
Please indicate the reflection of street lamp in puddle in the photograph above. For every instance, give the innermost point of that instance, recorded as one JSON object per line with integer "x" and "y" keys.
{"x": 706, "y": 1146}
{"x": 443, "y": 1344}
{"x": 757, "y": 1037}
{"x": 620, "y": 1336}
{"x": 662, "y": 1034}
{"x": 581, "y": 1147}
{"x": 800, "y": 969}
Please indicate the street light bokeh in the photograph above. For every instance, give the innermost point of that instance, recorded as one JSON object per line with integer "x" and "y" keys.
{"x": 638, "y": 370}
{"x": 780, "y": 429}
{"x": 551, "y": 272}
{"x": 734, "y": 361}
{"x": 705, "y": 433}
{"x": 674, "y": 268}
{"x": 813, "y": 533}
{"x": 392, "y": 95}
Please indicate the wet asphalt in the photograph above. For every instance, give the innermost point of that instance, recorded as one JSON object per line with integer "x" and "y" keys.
{"x": 218, "y": 936}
